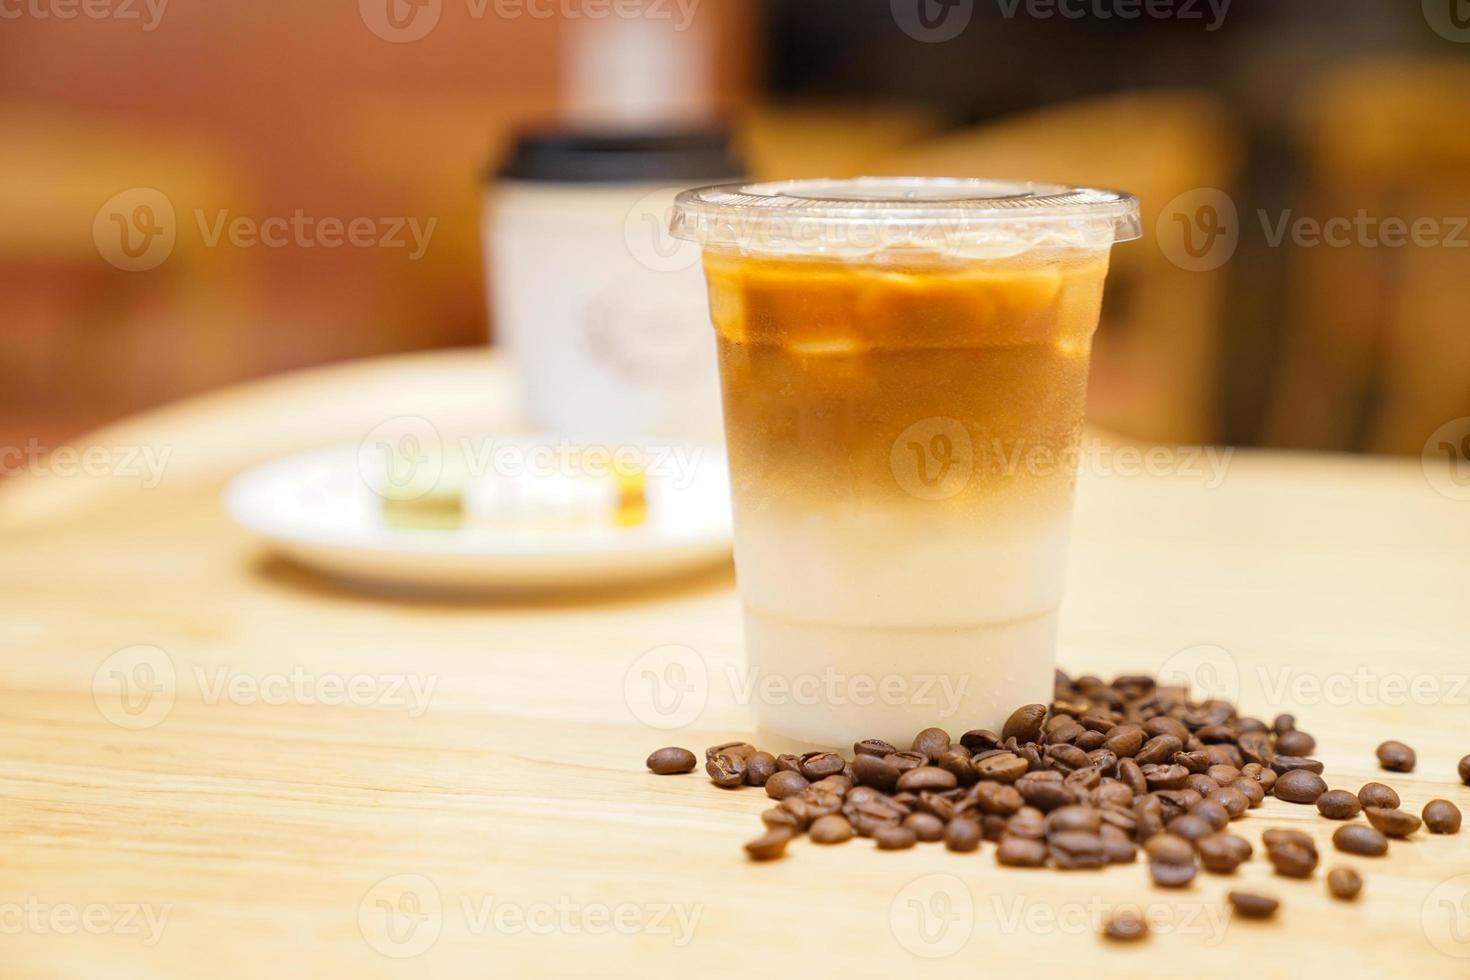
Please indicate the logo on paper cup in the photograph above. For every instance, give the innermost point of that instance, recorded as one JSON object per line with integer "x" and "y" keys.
{"x": 400, "y": 21}
{"x": 933, "y": 458}
{"x": 933, "y": 916}
{"x": 1446, "y": 459}
{"x": 135, "y": 687}
{"x": 135, "y": 230}
{"x": 401, "y": 916}
{"x": 1199, "y": 230}
{"x": 1445, "y": 917}
{"x": 647, "y": 236}
{"x": 1206, "y": 671}
{"x": 667, "y": 687}
{"x": 1450, "y": 19}
{"x": 932, "y": 21}
{"x": 402, "y": 458}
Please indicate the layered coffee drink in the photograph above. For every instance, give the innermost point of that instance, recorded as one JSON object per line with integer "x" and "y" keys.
{"x": 903, "y": 424}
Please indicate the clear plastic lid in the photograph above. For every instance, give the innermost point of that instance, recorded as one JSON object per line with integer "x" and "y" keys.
{"x": 960, "y": 216}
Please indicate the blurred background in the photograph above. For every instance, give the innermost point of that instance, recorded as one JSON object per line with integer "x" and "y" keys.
{"x": 1304, "y": 169}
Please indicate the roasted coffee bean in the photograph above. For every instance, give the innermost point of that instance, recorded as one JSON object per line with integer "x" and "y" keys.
{"x": 1250, "y": 789}
{"x": 816, "y": 765}
{"x": 1344, "y": 883}
{"x": 1131, "y": 774}
{"x": 1067, "y": 818}
{"x": 1024, "y": 724}
{"x": 1280, "y": 836}
{"x": 1164, "y": 725}
{"x": 1176, "y": 801}
{"x": 1027, "y": 822}
{"x": 1377, "y": 794}
{"x": 1157, "y": 750}
{"x": 1190, "y": 827}
{"x": 830, "y": 829}
{"x": 1020, "y": 852}
{"x": 957, "y": 763}
{"x": 778, "y": 817}
{"x": 1202, "y": 784}
{"x": 1255, "y": 749}
{"x": 1223, "y": 853}
{"x": 869, "y": 770}
{"x": 1076, "y": 849}
{"x": 1293, "y": 860}
{"x": 1253, "y": 906}
{"x": 999, "y": 798}
{"x": 1233, "y": 800}
{"x": 1357, "y": 838}
{"x": 841, "y": 784}
{"x": 1464, "y": 770}
{"x": 927, "y": 778}
{"x": 1213, "y": 813}
{"x": 735, "y": 750}
{"x": 1111, "y": 791}
{"x": 1441, "y": 817}
{"x": 1126, "y": 927}
{"x": 980, "y": 740}
{"x": 1044, "y": 790}
{"x": 962, "y": 835}
{"x": 894, "y": 837}
{"x": 931, "y": 742}
{"x": 1124, "y": 741}
{"x": 1338, "y": 804}
{"x": 786, "y": 762}
{"x": 875, "y": 747}
{"x": 1224, "y": 755}
{"x": 759, "y": 768}
{"x": 1196, "y": 762}
{"x": 1300, "y": 786}
{"x": 786, "y": 783}
{"x": 926, "y": 826}
{"x": 1004, "y": 767}
{"x": 1167, "y": 875}
{"x": 1170, "y": 848}
{"x": 1283, "y": 723}
{"x": 1283, "y": 764}
{"x": 1063, "y": 729}
{"x": 1394, "y": 823}
{"x": 1223, "y": 774}
{"x": 1264, "y": 775}
{"x": 770, "y": 845}
{"x": 726, "y": 771}
{"x": 1396, "y": 757}
{"x": 671, "y": 760}
{"x": 904, "y": 761}
{"x": 993, "y": 826}
{"x": 1295, "y": 742}
{"x": 1118, "y": 846}
{"x": 1165, "y": 777}
{"x": 1066, "y": 758}
{"x": 941, "y": 805}
{"x": 1082, "y": 781}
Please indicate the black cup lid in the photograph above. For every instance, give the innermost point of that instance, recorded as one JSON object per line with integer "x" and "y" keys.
{"x": 626, "y": 157}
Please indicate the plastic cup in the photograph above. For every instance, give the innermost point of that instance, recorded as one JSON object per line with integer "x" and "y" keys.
{"x": 903, "y": 366}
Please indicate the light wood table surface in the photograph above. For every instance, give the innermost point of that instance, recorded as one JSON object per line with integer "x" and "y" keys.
{"x": 246, "y": 821}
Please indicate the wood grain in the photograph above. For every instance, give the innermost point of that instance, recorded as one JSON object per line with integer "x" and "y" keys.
{"x": 266, "y": 832}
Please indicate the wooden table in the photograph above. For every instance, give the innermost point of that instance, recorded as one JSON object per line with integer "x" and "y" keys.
{"x": 510, "y": 830}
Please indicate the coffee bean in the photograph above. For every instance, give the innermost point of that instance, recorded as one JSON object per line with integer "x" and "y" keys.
{"x": 1222, "y": 853}
{"x": 1075, "y": 849}
{"x": 1125, "y": 740}
{"x": 1169, "y": 848}
{"x": 1255, "y": 749}
{"x": 1377, "y": 794}
{"x": 1293, "y": 860}
{"x": 779, "y": 817}
{"x": 1253, "y": 906}
{"x": 1283, "y": 764}
{"x": 1212, "y": 813}
{"x": 894, "y": 837}
{"x": 925, "y": 826}
{"x": 1158, "y": 750}
{"x": 1338, "y": 804}
{"x": 671, "y": 760}
{"x": 1396, "y": 757}
{"x": 1024, "y": 724}
{"x": 1073, "y": 818}
{"x": 1060, "y": 729}
{"x": 759, "y": 768}
{"x": 831, "y": 829}
{"x": 1357, "y": 838}
{"x": 1201, "y": 784}
{"x": 1167, "y": 875}
{"x": 736, "y": 750}
{"x": 1295, "y": 742}
{"x": 1264, "y": 775}
{"x": 1441, "y": 817}
{"x": 1000, "y": 798}
{"x": 1126, "y": 927}
{"x": 1250, "y": 789}
{"x": 816, "y": 765}
{"x": 1118, "y": 847}
{"x": 1004, "y": 767}
{"x": 786, "y": 783}
{"x": 869, "y": 770}
{"x": 904, "y": 761}
{"x": 931, "y": 742}
{"x": 962, "y": 835}
{"x": 1066, "y": 758}
{"x": 1020, "y": 852}
{"x": 1165, "y": 777}
{"x": 1164, "y": 725}
{"x": 1344, "y": 883}
{"x": 1027, "y": 822}
{"x": 1394, "y": 823}
{"x": 726, "y": 771}
{"x": 770, "y": 845}
{"x": 927, "y": 777}
{"x": 1300, "y": 786}
{"x": 1130, "y": 773}
{"x": 872, "y": 746}
{"x": 1234, "y": 802}
{"x": 1279, "y": 836}
{"x": 1190, "y": 827}
{"x": 1223, "y": 775}
{"x": 1113, "y": 793}
{"x": 980, "y": 740}
{"x": 1465, "y": 770}
{"x": 957, "y": 762}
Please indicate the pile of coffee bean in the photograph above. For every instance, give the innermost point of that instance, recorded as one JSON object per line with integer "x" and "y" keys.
{"x": 1107, "y": 768}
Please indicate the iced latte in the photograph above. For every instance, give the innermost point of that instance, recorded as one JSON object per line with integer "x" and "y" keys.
{"x": 904, "y": 370}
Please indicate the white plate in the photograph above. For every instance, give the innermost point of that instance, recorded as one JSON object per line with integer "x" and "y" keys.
{"x": 317, "y": 509}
